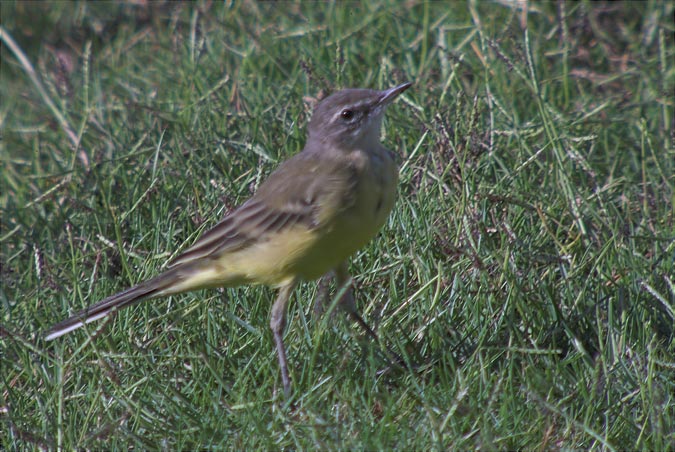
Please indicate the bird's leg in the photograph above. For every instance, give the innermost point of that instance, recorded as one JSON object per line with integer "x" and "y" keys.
{"x": 277, "y": 324}
{"x": 346, "y": 302}
{"x": 322, "y": 295}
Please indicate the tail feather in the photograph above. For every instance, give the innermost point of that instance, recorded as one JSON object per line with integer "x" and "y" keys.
{"x": 158, "y": 286}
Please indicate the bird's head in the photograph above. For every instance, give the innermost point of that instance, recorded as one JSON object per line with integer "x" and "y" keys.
{"x": 352, "y": 118}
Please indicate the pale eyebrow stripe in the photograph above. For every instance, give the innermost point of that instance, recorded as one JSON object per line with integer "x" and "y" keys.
{"x": 355, "y": 107}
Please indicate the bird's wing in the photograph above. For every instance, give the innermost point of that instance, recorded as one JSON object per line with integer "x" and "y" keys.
{"x": 307, "y": 190}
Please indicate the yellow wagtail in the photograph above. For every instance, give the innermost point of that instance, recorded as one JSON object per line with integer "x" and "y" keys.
{"x": 305, "y": 220}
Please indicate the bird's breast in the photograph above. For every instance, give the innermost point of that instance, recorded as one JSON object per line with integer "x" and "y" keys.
{"x": 376, "y": 193}
{"x": 370, "y": 203}
{"x": 350, "y": 216}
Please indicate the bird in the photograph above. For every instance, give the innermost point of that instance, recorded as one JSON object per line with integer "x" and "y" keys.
{"x": 303, "y": 223}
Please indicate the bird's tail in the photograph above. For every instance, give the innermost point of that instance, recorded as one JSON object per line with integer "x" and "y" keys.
{"x": 164, "y": 284}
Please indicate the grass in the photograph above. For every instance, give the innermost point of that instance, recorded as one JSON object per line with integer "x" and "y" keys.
{"x": 526, "y": 272}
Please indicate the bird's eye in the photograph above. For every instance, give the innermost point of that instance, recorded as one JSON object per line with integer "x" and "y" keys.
{"x": 347, "y": 114}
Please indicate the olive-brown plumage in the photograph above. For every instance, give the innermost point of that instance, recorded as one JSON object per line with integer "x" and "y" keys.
{"x": 304, "y": 221}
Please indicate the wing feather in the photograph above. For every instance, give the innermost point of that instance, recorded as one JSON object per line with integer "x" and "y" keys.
{"x": 292, "y": 195}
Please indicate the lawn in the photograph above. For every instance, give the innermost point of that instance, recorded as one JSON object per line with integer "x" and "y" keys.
{"x": 526, "y": 275}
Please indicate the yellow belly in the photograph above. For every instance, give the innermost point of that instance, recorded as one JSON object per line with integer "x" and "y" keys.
{"x": 356, "y": 226}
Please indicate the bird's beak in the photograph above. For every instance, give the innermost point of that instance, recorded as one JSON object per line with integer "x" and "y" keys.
{"x": 392, "y": 93}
